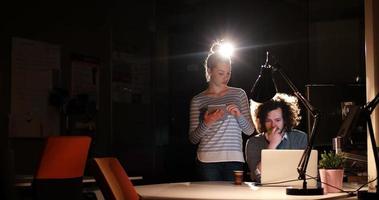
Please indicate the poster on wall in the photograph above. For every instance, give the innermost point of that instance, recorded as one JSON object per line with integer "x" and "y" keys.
{"x": 84, "y": 76}
{"x": 32, "y": 66}
{"x": 81, "y": 110}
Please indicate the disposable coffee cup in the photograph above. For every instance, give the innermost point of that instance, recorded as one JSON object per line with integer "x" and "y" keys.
{"x": 238, "y": 177}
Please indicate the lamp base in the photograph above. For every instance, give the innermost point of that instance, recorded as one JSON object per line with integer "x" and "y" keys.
{"x": 305, "y": 191}
{"x": 363, "y": 195}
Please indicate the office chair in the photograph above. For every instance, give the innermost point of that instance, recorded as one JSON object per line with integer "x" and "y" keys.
{"x": 61, "y": 169}
{"x": 112, "y": 179}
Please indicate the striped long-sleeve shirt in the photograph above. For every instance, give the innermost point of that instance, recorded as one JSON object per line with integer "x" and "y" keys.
{"x": 222, "y": 141}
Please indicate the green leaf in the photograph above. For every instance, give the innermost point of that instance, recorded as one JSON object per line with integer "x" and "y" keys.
{"x": 331, "y": 160}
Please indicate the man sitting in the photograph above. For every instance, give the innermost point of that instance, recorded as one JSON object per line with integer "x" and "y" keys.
{"x": 275, "y": 121}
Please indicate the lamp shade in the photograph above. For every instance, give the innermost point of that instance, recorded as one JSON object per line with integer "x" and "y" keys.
{"x": 264, "y": 87}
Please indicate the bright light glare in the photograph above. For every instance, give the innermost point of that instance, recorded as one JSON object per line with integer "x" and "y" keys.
{"x": 226, "y": 49}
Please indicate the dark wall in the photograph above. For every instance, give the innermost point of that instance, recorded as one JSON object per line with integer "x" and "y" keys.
{"x": 336, "y": 42}
{"x": 316, "y": 41}
{"x": 81, "y": 29}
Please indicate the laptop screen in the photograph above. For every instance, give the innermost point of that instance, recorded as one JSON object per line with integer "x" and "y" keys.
{"x": 279, "y": 167}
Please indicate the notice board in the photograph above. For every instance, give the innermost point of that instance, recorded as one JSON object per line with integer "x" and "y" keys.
{"x": 32, "y": 67}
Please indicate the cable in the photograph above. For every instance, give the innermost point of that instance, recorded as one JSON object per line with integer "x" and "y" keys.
{"x": 351, "y": 193}
{"x": 272, "y": 184}
{"x": 328, "y": 184}
{"x": 366, "y": 184}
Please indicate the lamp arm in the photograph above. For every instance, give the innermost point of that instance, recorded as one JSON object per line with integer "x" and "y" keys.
{"x": 367, "y": 110}
{"x": 303, "y": 163}
{"x": 370, "y": 106}
{"x": 296, "y": 92}
{"x": 373, "y": 144}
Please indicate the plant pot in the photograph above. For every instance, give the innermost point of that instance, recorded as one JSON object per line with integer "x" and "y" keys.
{"x": 332, "y": 177}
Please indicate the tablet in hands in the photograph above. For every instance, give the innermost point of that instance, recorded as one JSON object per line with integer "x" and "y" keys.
{"x": 213, "y": 107}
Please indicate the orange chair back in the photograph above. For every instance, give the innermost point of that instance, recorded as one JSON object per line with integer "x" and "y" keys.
{"x": 113, "y": 180}
{"x": 64, "y": 157}
{"x": 61, "y": 169}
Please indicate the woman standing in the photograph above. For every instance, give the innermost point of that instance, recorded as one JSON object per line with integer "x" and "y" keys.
{"x": 217, "y": 117}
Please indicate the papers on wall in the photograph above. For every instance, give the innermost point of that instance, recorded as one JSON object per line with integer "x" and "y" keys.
{"x": 84, "y": 77}
{"x": 32, "y": 65}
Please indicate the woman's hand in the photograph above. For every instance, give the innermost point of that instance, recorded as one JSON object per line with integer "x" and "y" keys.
{"x": 274, "y": 137}
{"x": 233, "y": 110}
{"x": 210, "y": 118}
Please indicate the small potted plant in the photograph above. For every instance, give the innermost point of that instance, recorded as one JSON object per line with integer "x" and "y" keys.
{"x": 331, "y": 168}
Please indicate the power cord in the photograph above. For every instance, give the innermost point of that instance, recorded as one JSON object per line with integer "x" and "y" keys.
{"x": 273, "y": 184}
{"x": 350, "y": 193}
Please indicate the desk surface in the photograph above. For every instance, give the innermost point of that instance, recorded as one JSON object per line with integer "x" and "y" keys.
{"x": 221, "y": 191}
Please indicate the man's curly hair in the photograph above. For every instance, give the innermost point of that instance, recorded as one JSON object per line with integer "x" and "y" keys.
{"x": 288, "y": 104}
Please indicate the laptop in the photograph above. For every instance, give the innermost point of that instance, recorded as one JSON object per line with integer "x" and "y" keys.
{"x": 280, "y": 165}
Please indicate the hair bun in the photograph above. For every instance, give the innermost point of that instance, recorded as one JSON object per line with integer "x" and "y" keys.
{"x": 215, "y": 47}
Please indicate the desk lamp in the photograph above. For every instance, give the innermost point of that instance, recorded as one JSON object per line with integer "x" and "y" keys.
{"x": 264, "y": 89}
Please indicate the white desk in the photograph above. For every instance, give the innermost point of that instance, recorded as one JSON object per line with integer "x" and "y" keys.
{"x": 220, "y": 191}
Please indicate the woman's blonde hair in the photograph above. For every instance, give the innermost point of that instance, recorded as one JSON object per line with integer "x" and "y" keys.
{"x": 214, "y": 58}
